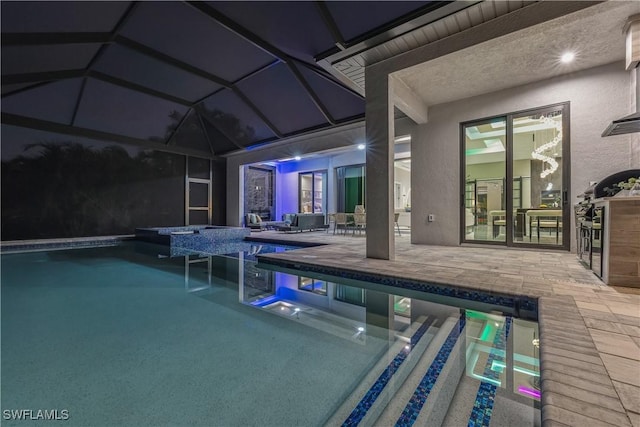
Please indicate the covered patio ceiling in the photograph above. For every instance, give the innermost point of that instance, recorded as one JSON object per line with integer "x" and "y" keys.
{"x": 594, "y": 34}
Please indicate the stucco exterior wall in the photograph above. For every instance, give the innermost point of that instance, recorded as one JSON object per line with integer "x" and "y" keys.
{"x": 324, "y": 140}
{"x": 596, "y": 96}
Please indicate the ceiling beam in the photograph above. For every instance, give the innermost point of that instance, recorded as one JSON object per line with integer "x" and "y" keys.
{"x": 78, "y": 100}
{"x": 256, "y": 110}
{"x": 314, "y": 97}
{"x": 70, "y": 74}
{"x": 138, "y": 88}
{"x": 45, "y": 76}
{"x": 238, "y": 30}
{"x": 204, "y": 130}
{"x": 258, "y": 71}
{"x": 43, "y": 125}
{"x": 140, "y": 48}
{"x": 225, "y": 134}
{"x": 177, "y": 128}
{"x": 331, "y": 25}
{"x": 114, "y": 32}
{"x": 25, "y": 88}
{"x": 265, "y": 46}
{"x": 406, "y": 100}
{"x": 31, "y": 39}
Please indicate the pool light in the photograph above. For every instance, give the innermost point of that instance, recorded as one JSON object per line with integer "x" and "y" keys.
{"x": 360, "y": 146}
{"x": 297, "y": 157}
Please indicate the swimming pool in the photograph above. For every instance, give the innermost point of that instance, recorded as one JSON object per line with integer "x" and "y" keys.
{"x": 127, "y": 335}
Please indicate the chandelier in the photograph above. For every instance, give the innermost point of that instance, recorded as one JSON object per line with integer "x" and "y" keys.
{"x": 538, "y": 153}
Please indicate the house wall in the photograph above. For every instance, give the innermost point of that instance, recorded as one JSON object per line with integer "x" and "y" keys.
{"x": 595, "y": 99}
{"x": 324, "y": 140}
{"x": 287, "y": 179}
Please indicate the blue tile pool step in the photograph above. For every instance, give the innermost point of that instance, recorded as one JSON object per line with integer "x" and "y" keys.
{"x": 418, "y": 391}
{"x": 425, "y": 397}
{"x": 379, "y": 385}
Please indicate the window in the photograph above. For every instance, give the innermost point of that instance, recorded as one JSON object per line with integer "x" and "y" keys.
{"x": 312, "y": 285}
{"x": 313, "y": 192}
{"x": 259, "y": 184}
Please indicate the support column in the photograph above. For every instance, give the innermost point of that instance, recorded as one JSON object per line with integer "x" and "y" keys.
{"x": 380, "y": 146}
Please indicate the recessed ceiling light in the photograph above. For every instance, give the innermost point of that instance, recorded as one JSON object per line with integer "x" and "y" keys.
{"x": 360, "y": 146}
{"x": 297, "y": 157}
{"x": 567, "y": 57}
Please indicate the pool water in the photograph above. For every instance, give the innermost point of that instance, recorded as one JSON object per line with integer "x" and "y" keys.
{"x": 125, "y": 335}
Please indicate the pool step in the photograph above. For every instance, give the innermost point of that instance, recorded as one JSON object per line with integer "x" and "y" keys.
{"x": 380, "y": 384}
{"x": 424, "y": 397}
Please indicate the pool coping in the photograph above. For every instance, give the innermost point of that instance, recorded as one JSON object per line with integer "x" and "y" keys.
{"x": 569, "y": 358}
{"x": 12, "y": 246}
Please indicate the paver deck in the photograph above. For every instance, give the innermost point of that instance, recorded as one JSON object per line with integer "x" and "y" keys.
{"x": 589, "y": 332}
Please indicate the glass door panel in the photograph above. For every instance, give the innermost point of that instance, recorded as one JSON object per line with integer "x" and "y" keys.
{"x": 319, "y": 191}
{"x": 306, "y": 189}
{"x": 313, "y": 192}
{"x": 537, "y": 167}
{"x": 485, "y": 171}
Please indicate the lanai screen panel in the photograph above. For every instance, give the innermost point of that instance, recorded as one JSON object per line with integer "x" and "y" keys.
{"x": 189, "y": 35}
{"x": 235, "y": 118}
{"x": 54, "y": 102}
{"x": 341, "y": 102}
{"x": 58, "y": 186}
{"x": 43, "y": 58}
{"x": 61, "y": 16}
{"x": 124, "y": 63}
{"x": 114, "y": 109}
{"x": 295, "y": 27}
{"x": 277, "y": 93}
{"x": 220, "y": 142}
{"x": 191, "y": 135}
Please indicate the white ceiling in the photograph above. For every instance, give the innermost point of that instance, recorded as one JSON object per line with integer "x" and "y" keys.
{"x": 530, "y": 55}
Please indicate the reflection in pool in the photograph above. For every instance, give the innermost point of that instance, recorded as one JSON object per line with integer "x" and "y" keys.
{"x": 175, "y": 338}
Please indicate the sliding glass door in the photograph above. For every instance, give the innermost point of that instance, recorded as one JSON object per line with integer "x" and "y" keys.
{"x": 516, "y": 170}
